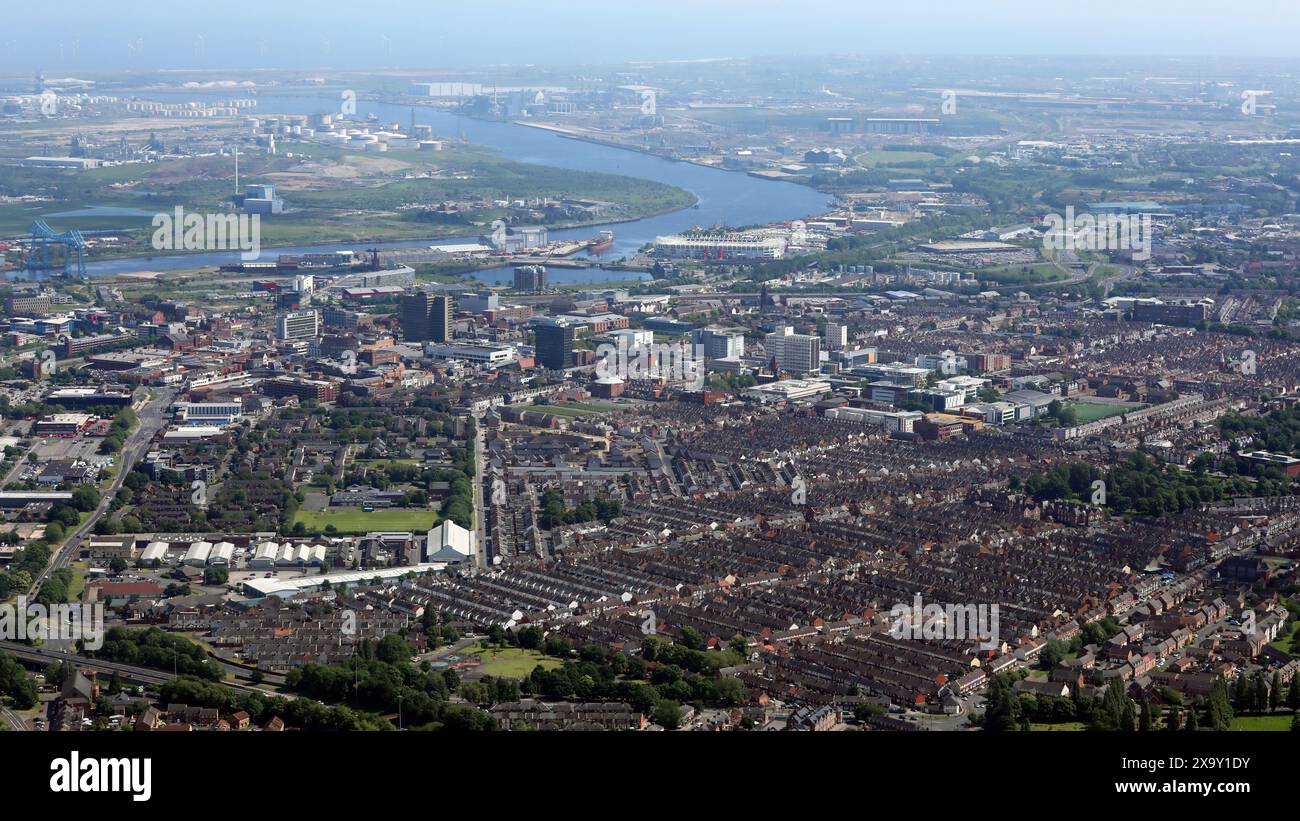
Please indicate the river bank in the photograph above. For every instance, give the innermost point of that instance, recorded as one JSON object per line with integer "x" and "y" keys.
{"x": 721, "y": 197}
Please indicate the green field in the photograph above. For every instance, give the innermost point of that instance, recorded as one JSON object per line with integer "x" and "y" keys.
{"x": 78, "y": 584}
{"x": 1273, "y": 723}
{"x": 568, "y": 409}
{"x": 1286, "y": 643}
{"x": 512, "y": 662}
{"x": 355, "y": 520}
{"x": 1038, "y": 273}
{"x": 1092, "y": 411}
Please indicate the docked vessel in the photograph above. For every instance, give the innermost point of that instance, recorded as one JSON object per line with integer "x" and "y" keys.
{"x": 601, "y": 242}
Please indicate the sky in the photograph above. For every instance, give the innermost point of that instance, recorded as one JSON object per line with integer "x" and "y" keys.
{"x": 62, "y": 37}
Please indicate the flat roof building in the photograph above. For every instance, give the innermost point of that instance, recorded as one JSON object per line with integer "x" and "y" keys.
{"x": 787, "y": 390}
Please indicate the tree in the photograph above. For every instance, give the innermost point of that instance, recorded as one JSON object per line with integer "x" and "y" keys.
{"x": 668, "y": 714}
{"x": 1275, "y": 692}
{"x": 85, "y": 498}
{"x": 1053, "y": 653}
{"x": 54, "y": 532}
{"x": 692, "y": 639}
{"x": 215, "y": 575}
{"x": 1002, "y": 708}
{"x": 54, "y": 674}
{"x": 394, "y": 650}
{"x": 1242, "y": 694}
{"x": 1259, "y": 694}
{"x": 1144, "y": 721}
{"x": 1172, "y": 720}
{"x": 1219, "y": 710}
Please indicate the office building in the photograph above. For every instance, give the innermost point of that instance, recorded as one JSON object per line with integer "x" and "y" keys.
{"x": 629, "y": 338}
{"x": 719, "y": 344}
{"x": 28, "y": 304}
{"x": 425, "y": 317}
{"x": 221, "y": 414}
{"x": 480, "y": 302}
{"x": 1170, "y": 313}
{"x": 298, "y": 325}
{"x": 794, "y": 353}
{"x": 303, "y": 389}
{"x": 555, "y": 346}
{"x": 336, "y": 317}
{"x": 91, "y": 397}
{"x": 837, "y": 336}
{"x": 530, "y": 278}
{"x": 489, "y": 354}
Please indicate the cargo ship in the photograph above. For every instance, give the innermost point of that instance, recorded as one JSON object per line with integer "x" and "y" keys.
{"x": 601, "y": 243}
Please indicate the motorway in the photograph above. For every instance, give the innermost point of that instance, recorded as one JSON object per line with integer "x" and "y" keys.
{"x": 152, "y": 416}
{"x": 141, "y": 675}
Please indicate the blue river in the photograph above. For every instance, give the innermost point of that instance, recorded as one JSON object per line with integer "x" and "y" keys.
{"x": 725, "y": 197}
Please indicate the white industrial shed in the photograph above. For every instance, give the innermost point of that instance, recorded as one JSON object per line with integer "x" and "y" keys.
{"x": 155, "y": 552}
{"x": 222, "y": 553}
{"x": 198, "y": 554}
{"x": 265, "y": 555}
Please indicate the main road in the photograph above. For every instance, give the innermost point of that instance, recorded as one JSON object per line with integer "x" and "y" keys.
{"x": 152, "y": 417}
{"x": 43, "y": 656}
{"x": 481, "y": 559}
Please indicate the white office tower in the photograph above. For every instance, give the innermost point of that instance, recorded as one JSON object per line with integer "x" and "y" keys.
{"x": 794, "y": 353}
{"x": 837, "y": 336}
{"x": 719, "y": 344}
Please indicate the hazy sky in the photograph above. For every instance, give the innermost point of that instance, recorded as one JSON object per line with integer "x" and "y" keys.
{"x": 64, "y": 36}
